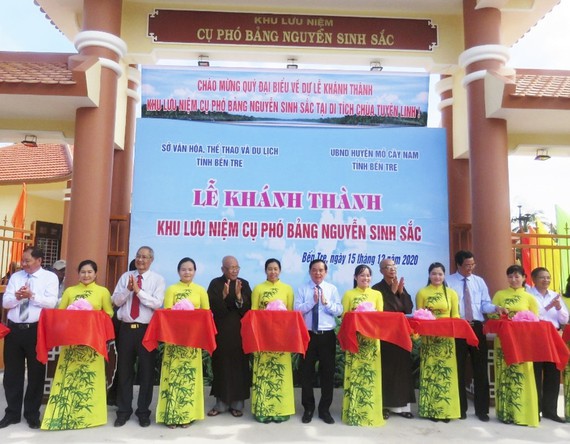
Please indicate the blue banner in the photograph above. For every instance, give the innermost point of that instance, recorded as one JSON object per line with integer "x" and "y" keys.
{"x": 348, "y": 98}
{"x": 345, "y": 194}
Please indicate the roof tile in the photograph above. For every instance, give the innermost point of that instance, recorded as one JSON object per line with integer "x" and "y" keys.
{"x": 541, "y": 85}
{"x": 44, "y": 163}
{"x": 28, "y": 72}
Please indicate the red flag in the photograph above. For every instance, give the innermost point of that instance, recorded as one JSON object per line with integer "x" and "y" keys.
{"x": 18, "y": 219}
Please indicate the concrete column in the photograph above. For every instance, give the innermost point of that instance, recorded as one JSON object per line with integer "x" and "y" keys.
{"x": 488, "y": 149}
{"x": 89, "y": 213}
{"x": 458, "y": 184}
{"x": 123, "y": 175}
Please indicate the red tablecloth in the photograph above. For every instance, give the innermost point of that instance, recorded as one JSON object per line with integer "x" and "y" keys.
{"x": 3, "y": 330}
{"x": 275, "y": 331}
{"x": 529, "y": 342}
{"x": 447, "y": 327}
{"x": 566, "y": 334}
{"x": 73, "y": 327}
{"x": 387, "y": 326}
{"x": 189, "y": 328}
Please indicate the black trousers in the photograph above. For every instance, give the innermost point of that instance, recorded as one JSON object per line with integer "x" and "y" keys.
{"x": 480, "y": 372}
{"x": 322, "y": 348}
{"x": 19, "y": 352}
{"x": 547, "y": 378}
{"x": 129, "y": 349}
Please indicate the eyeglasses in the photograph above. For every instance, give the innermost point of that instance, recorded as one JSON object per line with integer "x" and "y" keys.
{"x": 232, "y": 268}
{"x": 143, "y": 257}
{"x": 390, "y": 267}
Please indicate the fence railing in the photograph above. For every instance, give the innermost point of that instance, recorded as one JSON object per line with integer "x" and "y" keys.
{"x": 12, "y": 238}
{"x": 544, "y": 250}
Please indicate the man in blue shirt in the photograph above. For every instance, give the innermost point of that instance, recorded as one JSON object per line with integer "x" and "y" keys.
{"x": 320, "y": 304}
{"x": 474, "y": 302}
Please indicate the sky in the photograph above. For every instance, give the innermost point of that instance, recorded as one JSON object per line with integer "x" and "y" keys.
{"x": 536, "y": 186}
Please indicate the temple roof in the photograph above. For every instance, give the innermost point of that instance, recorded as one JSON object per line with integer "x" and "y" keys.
{"x": 534, "y": 83}
{"x": 41, "y": 164}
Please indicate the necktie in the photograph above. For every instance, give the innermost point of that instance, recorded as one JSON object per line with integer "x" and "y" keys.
{"x": 135, "y": 303}
{"x": 25, "y": 304}
{"x": 467, "y": 301}
{"x": 315, "y": 310}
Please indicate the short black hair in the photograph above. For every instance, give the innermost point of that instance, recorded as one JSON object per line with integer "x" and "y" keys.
{"x": 35, "y": 251}
{"x": 461, "y": 255}
{"x": 316, "y": 261}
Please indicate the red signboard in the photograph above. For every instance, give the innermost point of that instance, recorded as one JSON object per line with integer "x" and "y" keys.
{"x": 229, "y": 28}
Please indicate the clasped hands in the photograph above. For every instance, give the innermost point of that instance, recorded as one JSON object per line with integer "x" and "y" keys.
{"x": 25, "y": 292}
{"x": 316, "y": 292}
{"x": 226, "y": 289}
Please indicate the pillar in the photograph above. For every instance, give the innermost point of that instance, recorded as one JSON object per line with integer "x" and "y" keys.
{"x": 123, "y": 178}
{"x": 458, "y": 184}
{"x": 488, "y": 149}
{"x": 89, "y": 213}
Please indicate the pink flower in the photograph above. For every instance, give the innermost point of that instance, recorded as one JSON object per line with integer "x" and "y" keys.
{"x": 184, "y": 304}
{"x": 80, "y": 304}
{"x": 276, "y": 305}
{"x": 424, "y": 313}
{"x": 365, "y": 306}
{"x": 525, "y": 316}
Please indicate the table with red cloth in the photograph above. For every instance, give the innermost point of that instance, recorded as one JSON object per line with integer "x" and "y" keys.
{"x": 529, "y": 341}
{"x": 445, "y": 327}
{"x": 188, "y": 328}
{"x": 566, "y": 334}
{"x": 3, "y": 330}
{"x": 73, "y": 327}
{"x": 386, "y": 326}
{"x": 274, "y": 331}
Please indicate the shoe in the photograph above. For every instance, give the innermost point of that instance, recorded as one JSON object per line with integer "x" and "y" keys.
{"x": 385, "y": 413}
{"x": 326, "y": 417}
{"x": 407, "y": 415}
{"x": 6, "y": 421}
{"x": 34, "y": 423}
{"x": 307, "y": 416}
{"x": 214, "y": 412}
{"x": 144, "y": 421}
{"x": 463, "y": 416}
{"x": 446, "y": 420}
{"x": 554, "y": 418}
{"x": 483, "y": 417}
{"x": 120, "y": 421}
{"x": 236, "y": 413}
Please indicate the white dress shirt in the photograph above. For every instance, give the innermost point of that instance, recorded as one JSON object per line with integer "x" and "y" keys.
{"x": 305, "y": 301}
{"x": 480, "y": 298}
{"x": 44, "y": 286}
{"x": 556, "y": 317}
{"x": 151, "y": 296}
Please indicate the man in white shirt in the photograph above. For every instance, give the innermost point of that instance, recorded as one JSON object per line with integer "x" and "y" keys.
{"x": 320, "y": 305}
{"x": 137, "y": 294}
{"x": 553, "y": 310}
{"x": 28, "y": 292}
{"x": 474, "y": 303}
